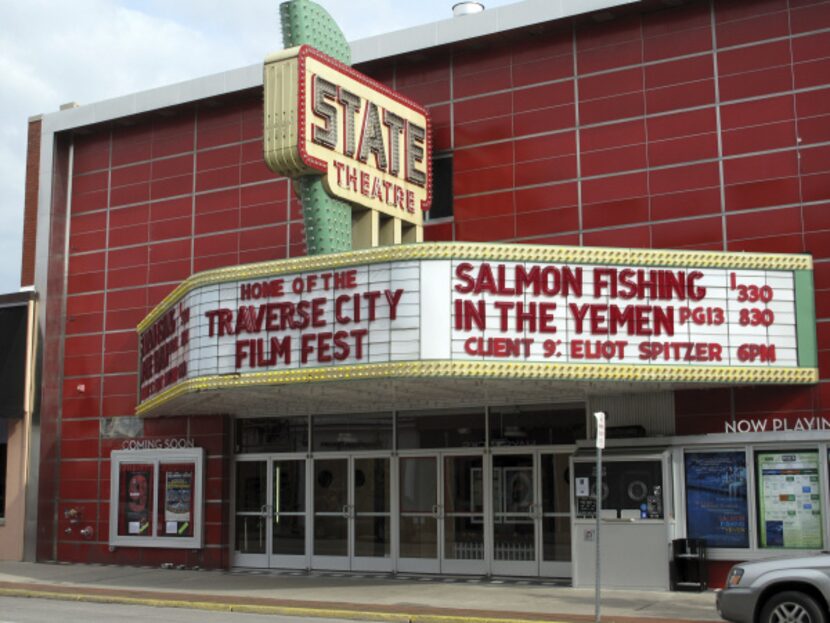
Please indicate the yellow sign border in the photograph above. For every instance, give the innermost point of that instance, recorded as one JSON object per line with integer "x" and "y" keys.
{"x": 487, "y": 369}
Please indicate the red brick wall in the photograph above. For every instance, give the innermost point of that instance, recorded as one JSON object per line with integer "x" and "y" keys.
{"x": 85, "y": 485}
{"x": 153, "y": 203}
{"x": 684, "y": 128}
{"x": 644, "y": 154}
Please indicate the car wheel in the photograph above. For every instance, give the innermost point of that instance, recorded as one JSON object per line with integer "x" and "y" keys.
{"x": 792, "y": 607}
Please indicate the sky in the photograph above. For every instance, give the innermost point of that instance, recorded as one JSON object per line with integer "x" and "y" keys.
{"x": 53, "y": 52}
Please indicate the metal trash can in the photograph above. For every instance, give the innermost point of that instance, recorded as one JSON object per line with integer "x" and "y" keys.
{"x": 687, "y": 571}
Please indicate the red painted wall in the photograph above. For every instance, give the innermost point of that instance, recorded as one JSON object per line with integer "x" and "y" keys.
{"x": 686, "y": 127}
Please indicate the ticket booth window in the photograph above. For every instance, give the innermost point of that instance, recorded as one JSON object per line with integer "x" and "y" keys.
{"x": 631, "y": 489}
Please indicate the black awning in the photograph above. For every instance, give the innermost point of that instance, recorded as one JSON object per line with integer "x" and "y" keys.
{"x": 13, "y": 340}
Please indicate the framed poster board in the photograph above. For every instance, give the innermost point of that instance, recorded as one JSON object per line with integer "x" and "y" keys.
{"x": 156, "y": 498}
{"x": 175, "y": 499}
{"x": 790, "y": 504}
{"x": 135, "y": 498}
{"x": 716, "y": 498}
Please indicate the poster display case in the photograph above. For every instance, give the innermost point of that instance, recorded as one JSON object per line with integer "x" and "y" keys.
{"x": 716, "y": 498}
{"x": 156, "y": 498}
{"x": 789, "y": 500}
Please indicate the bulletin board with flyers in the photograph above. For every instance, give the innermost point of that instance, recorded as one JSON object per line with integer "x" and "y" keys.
{"x": 156, "y": 498}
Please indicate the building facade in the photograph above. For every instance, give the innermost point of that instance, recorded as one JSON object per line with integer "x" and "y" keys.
{"x": 18, "y": 346}
{"x": 699, "y": 127}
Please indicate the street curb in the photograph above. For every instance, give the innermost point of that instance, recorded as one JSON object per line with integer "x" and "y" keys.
{"x": 333, "y": 613}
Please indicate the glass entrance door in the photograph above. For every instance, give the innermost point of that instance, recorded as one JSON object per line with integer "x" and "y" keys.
{"x": 331, "y": 514}
{"x": 270, "y": 521}
{"x": 251, "y": 514}
{"x": 456, "y": 512}
{"x": 371, "y": 519}
{"x": 352, "y": 514}
{"x": 556, "y": 515}
{"x": 462, "y": 514}
{"x": 288, "y": 520}
{"x": 419, "y": 514}
{"x": 441, "y": 519}
{"x": 531, "y": 519}
{"x": 516, "y": 514}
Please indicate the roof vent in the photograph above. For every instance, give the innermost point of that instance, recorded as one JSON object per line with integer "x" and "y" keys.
{"x": 466, "y": 8}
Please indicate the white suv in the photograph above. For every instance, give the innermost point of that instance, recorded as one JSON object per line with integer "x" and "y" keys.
{"x": 778, "y": 590}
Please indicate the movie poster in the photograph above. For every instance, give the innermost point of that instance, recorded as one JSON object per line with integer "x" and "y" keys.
{"x": 716, "y": 498}
{"x": 789, "y": 500}
{"x": 177, "y": 500}
{"x": 137, "y": 494}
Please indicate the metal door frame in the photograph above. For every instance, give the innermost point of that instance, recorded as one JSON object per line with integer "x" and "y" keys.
{"x": 269, "y": 559}
{"x": 441, "y": 564}
{"x": 420, "y": 565}
{"x": 460, "y": 566}
{"x": 374, "y": 563}
{"x": 539, "y": 566}
{"x": 288, "y": 561}
{"x": 555, "y": 568}
{"x": 519, "y": 568}
{"x": 351, "y": 562}
{"x": 250, "y": 560}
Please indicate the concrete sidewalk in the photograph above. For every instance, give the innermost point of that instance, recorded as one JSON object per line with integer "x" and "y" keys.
{"x": 373, "y": 597}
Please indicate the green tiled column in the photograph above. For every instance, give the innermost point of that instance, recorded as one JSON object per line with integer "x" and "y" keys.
{"x": 328, "y": 221}
{"x": 805, "y": 318}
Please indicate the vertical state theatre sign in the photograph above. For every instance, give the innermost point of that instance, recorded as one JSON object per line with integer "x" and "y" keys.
{"x": 371, "y": 144}
{"x": 486, "y": 310}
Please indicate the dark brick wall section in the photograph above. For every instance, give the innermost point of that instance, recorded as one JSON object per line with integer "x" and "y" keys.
{"x": 27, "y": 270}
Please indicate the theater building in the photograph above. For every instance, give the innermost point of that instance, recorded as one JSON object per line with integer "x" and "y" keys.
{"x": 629, "y": 212}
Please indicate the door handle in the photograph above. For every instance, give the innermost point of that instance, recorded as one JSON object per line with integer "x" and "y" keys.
{"x": 347, "y": 511}
{"x": 437, "y": 511}
{"x": 266, "y": 509}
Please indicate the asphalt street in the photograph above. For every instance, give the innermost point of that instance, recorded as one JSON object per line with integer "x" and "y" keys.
{"x": 28, "y": 610}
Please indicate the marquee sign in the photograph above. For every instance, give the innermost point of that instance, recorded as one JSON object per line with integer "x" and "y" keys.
{"x": 488, "y": 310}
{"x": 371, "y": 144}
